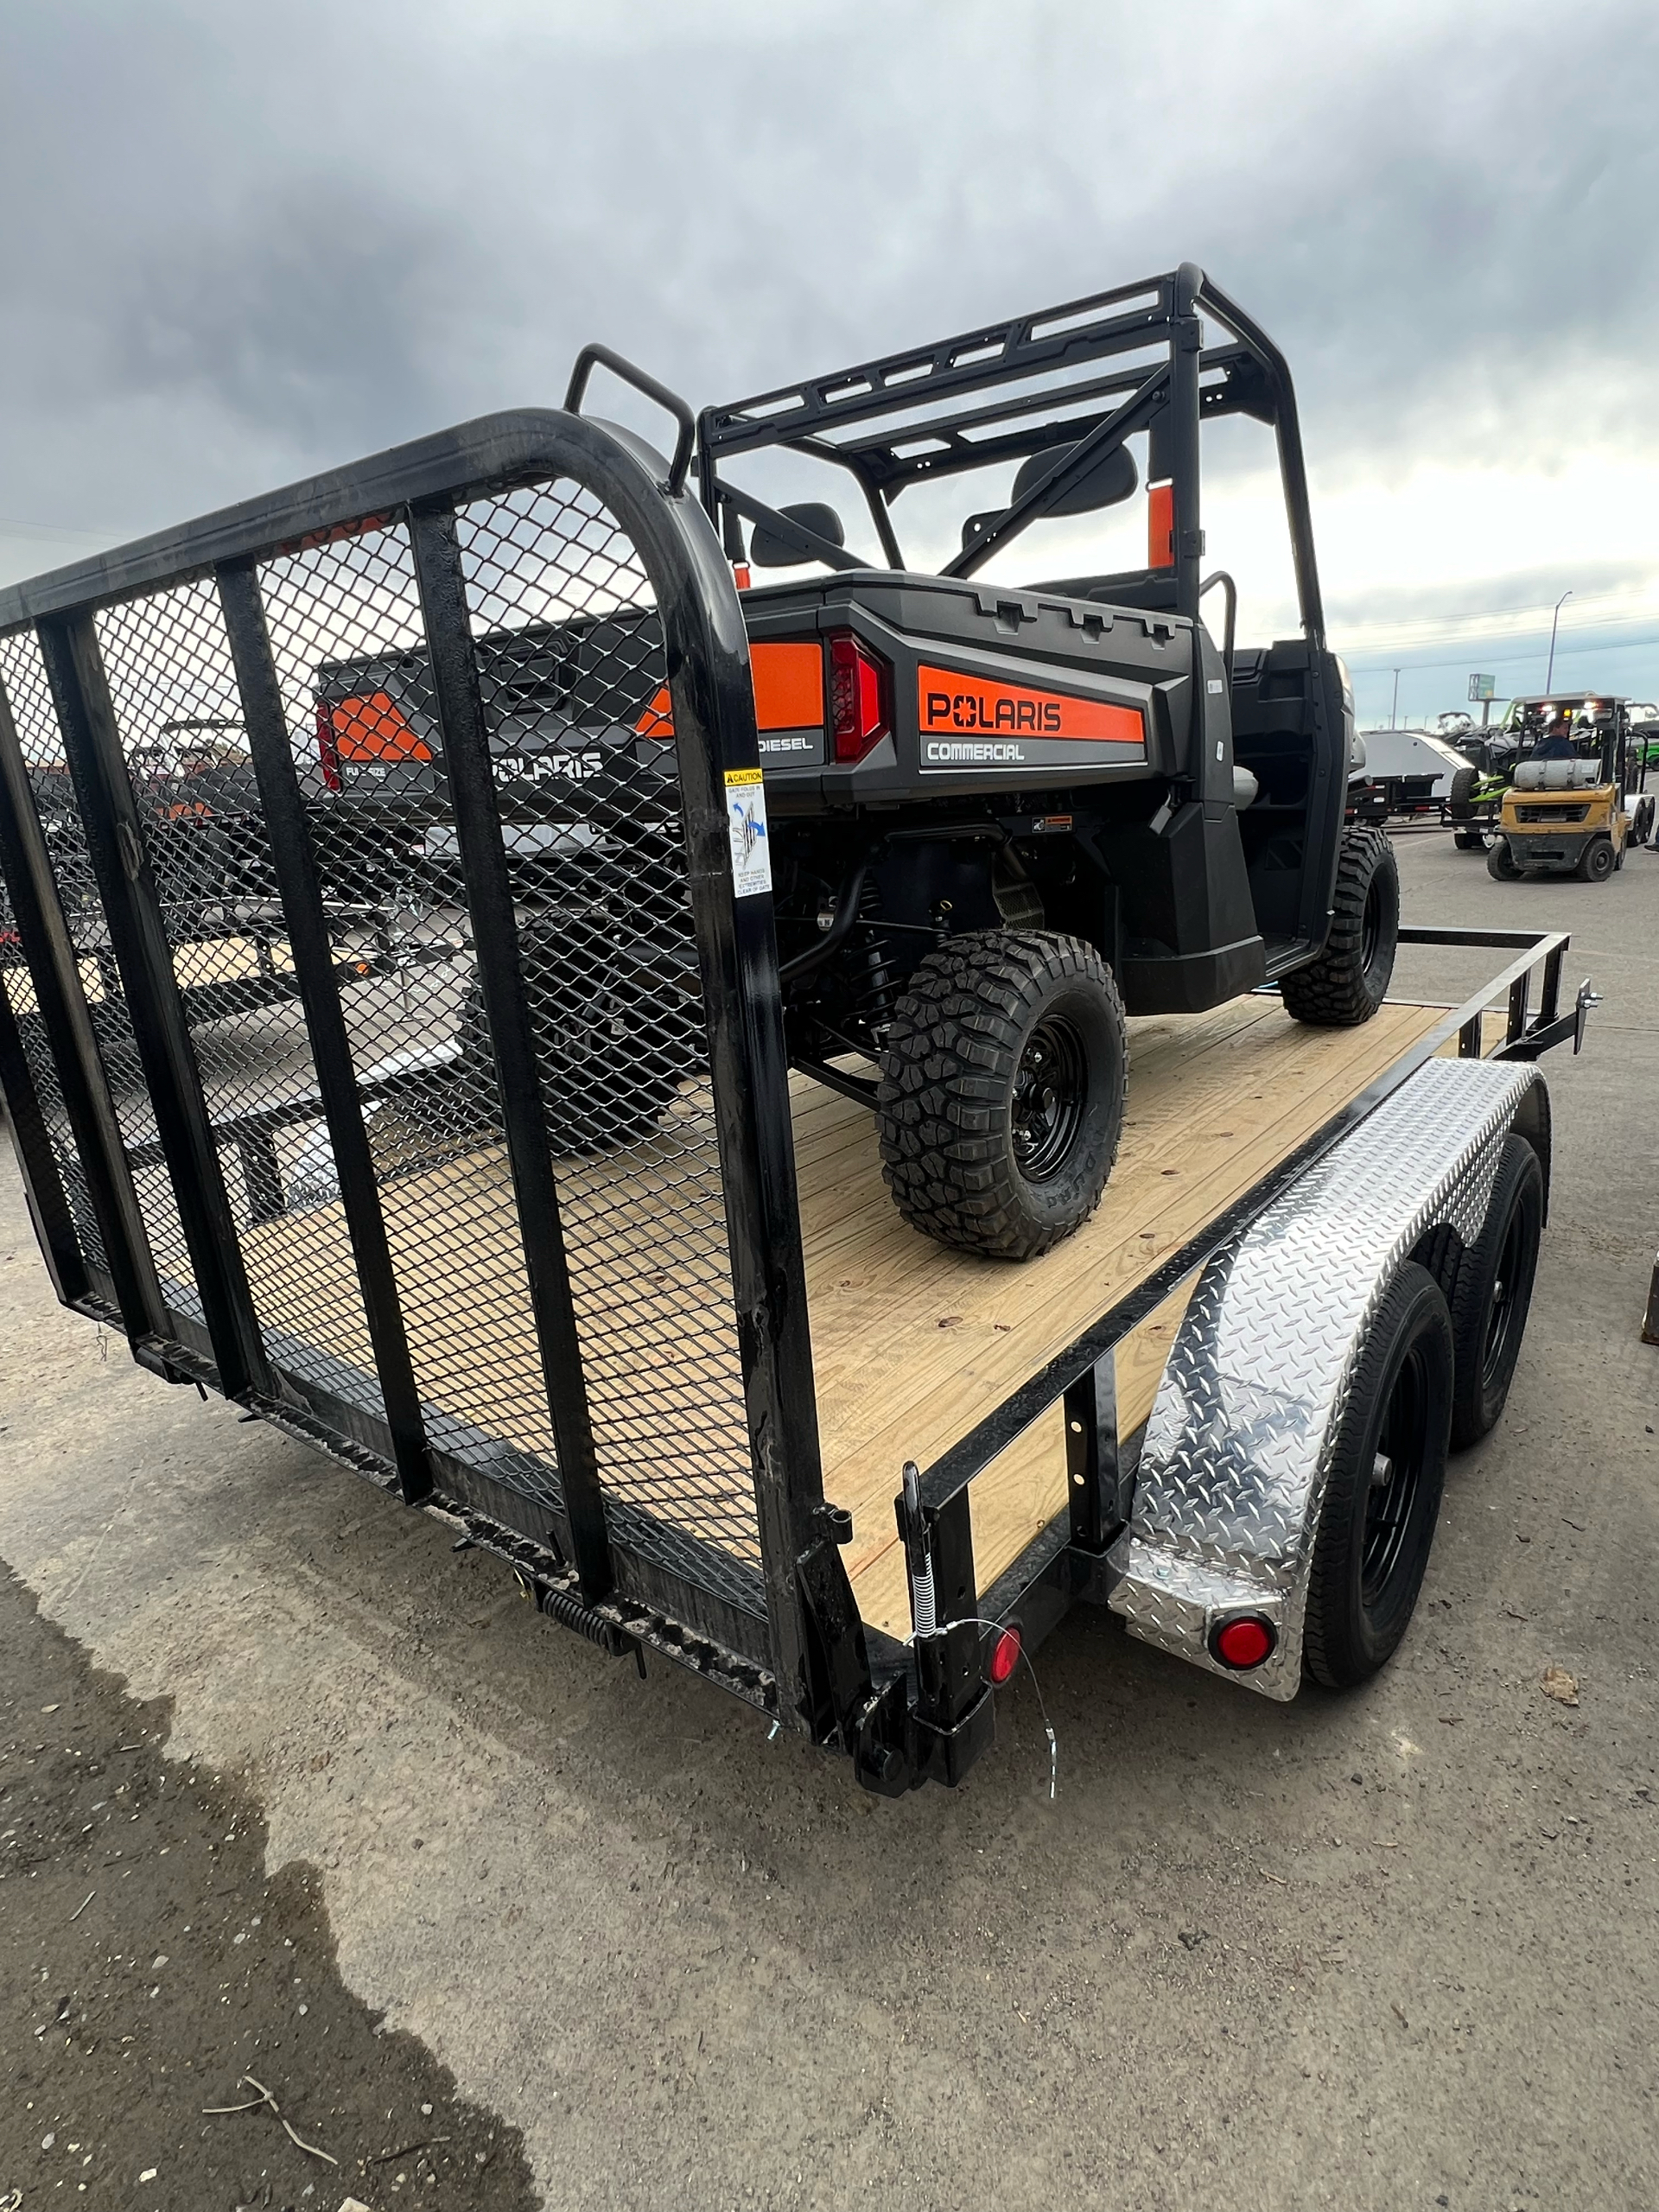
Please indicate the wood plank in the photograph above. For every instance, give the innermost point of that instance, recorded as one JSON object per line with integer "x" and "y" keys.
{"x": 923, "y": 1386}
{"x": 913, "y": 1345}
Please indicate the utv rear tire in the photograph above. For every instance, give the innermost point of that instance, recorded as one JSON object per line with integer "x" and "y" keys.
{"x": 1460, "y": 795}
{"x": 1350, "y": 980}
{"x": 1382, "y": 1491}
{"x": 1470, "y": 841}
{"x": 1499, "y": 864}
{"x": 1494, "y": 1292}
{"x": 1001, "y": 1098}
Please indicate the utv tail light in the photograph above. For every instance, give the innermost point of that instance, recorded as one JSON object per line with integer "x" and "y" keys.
{"x": 327, "y": 748}
{"x": 1243, "y": 1642}
{"x": 1004, "y": 1656}
{"x": 861, "y": 687}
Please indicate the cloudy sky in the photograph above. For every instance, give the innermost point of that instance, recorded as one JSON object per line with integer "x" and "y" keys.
{"x": 245, "y": 241}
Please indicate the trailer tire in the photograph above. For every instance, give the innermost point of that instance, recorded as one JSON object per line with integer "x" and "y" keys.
{"x": 1500, "y": 863}
{"x": 1350, "y": 980}
{"x": 1493, "y": 1292}
{"x": 1460, "y": 795}
{"x": 1383, "y": 1489}
{"x": 1000, "y": 1104}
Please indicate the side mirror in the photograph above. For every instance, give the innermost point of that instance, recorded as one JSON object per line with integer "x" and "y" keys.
{"x": 769, "y": 551}
{"x": 1112, "y": 480}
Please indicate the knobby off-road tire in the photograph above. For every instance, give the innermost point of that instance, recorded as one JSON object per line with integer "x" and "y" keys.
{"x": 1383, "y": 1493}
{"x": 1494, "y": 1292}
{"x": 1001, "y": 1095}
{"x": 1460, "y": 795}
{"x": 1350, "y": 980}
{"x": 1500, "y": 864}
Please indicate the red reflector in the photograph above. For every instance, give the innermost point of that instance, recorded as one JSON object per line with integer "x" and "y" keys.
{"x": 1161, "y": 526}
{"x": 328, "y": 749}
{"x": 860, "y": 688}
{"x": 1243, "y": 1642}
{"x": 1005, "y": 1657}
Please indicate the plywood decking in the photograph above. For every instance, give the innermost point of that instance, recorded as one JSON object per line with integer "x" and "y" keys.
{"x": 913, "y": 1345}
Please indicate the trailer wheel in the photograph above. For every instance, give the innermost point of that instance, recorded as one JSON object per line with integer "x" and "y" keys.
{"x": 1494, "y": 1292}
{"x": 1350, "y": 980}
{"x": 1001, "y": 1097}
{"x": 1500, "y": 862}
{"x": 1598, "y": 860}
{"x": 1383, "y": 1489}
{"x": 1460, "y": 795}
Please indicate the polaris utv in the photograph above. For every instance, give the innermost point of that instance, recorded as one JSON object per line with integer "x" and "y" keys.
{"x": 1003, "y": 814}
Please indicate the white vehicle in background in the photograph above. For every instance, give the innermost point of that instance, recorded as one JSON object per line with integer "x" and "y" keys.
{"x": 1407, "y": 772}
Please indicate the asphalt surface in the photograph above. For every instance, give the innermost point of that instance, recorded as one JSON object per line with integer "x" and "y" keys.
{"x": 174, "y": 2027}
{"x": 1394, "y": 1949}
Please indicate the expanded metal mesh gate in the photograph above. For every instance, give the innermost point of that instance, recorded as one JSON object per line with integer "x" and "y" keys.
{"x": 377, "y": 986}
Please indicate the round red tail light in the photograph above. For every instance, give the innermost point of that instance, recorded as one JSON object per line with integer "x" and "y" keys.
{"x": 1243, "y": 1642}
{"x": 1004, "y": 1657}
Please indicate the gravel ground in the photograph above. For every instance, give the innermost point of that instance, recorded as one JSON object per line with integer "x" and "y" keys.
{"x": 1394, "y": 1949}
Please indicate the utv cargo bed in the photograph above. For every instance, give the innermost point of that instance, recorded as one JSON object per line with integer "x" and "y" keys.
{"x": 514, "y": 1205}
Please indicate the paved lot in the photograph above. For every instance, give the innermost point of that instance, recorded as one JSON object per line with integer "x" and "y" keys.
{"x": 1392, "y": 1950}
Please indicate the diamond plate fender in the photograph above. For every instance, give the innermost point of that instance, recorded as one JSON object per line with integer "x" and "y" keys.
{"x": 1233, "y": 1466}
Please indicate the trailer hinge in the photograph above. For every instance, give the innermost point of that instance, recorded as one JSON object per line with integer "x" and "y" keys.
{"x": 839, "y": 1688}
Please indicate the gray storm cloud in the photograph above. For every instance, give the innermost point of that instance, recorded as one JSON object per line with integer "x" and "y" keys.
{"x": 242, "y": 243}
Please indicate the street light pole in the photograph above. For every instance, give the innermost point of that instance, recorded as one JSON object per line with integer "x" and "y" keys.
{"x": 1549, "y": 673}
{"x": 1395, "y": 705}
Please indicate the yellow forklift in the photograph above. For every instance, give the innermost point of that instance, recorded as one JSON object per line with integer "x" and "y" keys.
{"x": 1565, "y": 811}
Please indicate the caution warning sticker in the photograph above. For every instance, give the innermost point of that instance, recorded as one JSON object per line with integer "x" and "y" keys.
{"x": 746, "y": 823}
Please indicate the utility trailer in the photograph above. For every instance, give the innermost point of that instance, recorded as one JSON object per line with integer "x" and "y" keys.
{"x": 697, "y": 1383}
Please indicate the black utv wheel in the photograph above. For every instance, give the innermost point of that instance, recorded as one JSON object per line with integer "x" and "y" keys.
{"x": 1493, "y": 1292}
{"x": 1350, "y": 980}
{"x": 1500, "y": 863}
{"x": 1470, "y": 841}
{"x": 1382, "y": 1491}
{"x": 1002, "y": 1086}
{"x": 1460, "y": 794}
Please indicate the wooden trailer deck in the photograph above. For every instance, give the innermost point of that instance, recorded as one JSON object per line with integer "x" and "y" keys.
{"x": 913, "y": 1345}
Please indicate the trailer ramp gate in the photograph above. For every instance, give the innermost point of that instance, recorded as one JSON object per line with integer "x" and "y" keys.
{"x": 395, "y": 1056}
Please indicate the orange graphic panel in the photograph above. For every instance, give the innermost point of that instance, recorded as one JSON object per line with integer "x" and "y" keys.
{"x": 374, "y": 729}
{"x": 946, "y": 700}
{"x": 788, "y": 691}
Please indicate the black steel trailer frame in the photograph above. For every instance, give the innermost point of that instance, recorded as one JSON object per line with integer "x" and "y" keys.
{"x": 604, "y": 1557}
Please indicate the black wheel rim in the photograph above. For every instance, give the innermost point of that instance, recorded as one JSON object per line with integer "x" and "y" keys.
{"x": 1370, "y": 927}
{"x": 1500, "y": 1321}
{"x": 1396, "y": 1477}
{"x": 1051, "y": 1087}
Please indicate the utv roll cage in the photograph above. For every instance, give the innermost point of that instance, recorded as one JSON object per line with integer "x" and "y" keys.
{"x": 1072, "y": 385}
